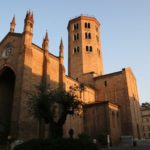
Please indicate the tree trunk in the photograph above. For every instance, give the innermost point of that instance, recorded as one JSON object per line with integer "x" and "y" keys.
{"x": 41, "y": 128}
{"x": 55, "y": 130}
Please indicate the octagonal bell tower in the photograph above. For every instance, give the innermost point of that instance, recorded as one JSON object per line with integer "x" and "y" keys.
{"x": 84, "y": 51}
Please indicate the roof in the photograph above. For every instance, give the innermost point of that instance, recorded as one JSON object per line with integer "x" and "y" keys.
{"x": 83, "y": 17}
{"x": 11, "y": 34}
{"x": 105, "y": 102}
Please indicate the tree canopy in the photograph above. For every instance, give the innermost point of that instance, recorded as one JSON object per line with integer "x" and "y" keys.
{"x": 53, "y": 106}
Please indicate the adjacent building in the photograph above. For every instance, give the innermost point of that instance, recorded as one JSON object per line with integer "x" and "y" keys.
{"x": 145, "y": 113}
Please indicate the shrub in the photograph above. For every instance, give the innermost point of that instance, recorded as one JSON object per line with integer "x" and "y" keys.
{"x": 102, "y": 139}
{"x": 57, "y": 144}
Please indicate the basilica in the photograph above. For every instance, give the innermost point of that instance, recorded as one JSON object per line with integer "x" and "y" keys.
{"x": 111, "y": 101}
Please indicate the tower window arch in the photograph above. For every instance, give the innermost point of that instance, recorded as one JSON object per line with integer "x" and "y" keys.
{"x": 76, "y": 49}
{"x": 86, "y": 24}
{"x": 89, "y": 48}
{"x": 76, "y": 36}
{"x": 87, "y": 35}
{"x": 76, "y": 26}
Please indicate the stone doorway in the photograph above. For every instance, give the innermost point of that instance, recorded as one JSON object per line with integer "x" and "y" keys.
{"x": 7, "y": 84}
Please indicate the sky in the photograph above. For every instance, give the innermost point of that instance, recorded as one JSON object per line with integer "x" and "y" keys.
{"x": 125, "y": 30}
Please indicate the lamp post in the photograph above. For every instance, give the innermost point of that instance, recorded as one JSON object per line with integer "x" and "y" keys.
{"x": 9, "y": 141}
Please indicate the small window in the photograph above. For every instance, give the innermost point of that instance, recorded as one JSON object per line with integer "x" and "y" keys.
{"x": 86, "y": 35}
{"x": 76, "y": 26}
{"x": 76, "y": 37}
{"x": 87, "y": 48}
{"x": 89, "y": 35}
{"x": 76, "y": 49}
{"x": 90, "y": 48}
{"x": 105, "y": 83}
{"x": 86, "y": 25}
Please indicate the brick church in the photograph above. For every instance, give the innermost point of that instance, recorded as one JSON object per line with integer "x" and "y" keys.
{"x": 111, "y": 100}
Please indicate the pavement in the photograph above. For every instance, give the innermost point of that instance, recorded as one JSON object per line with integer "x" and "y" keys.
{"x": 143, "y": 147}
{"x": 140, "y": 145}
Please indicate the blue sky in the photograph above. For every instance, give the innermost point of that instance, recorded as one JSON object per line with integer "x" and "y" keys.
{"x": 125, "y": 30}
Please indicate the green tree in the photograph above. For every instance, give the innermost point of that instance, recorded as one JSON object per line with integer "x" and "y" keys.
{"x": 53, "y": 106}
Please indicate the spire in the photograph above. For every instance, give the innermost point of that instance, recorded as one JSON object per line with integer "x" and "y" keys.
{"x": 45, "y": 44}
{"x": 29, "y": 16}
{"x": 46, "y": 36}
{"x": 28, "y": 27}
{"x": 13, "y": 24}
{"x": 61, "y": 65}
{"x": 29, "y": 21}
{"x": 61, "y": 49}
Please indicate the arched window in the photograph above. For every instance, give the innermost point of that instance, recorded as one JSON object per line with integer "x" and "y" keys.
{"x": 87, "y": 48}
{"x": 89, "y": 35}
{"x": 86, "y": 35}
{"x": 75, "y": 50}
{"x": 76, "y": 36}
{"x": 76, "y": 26}
{"x": 86, "y": 25}
{"x": 89, "y": 25}
{"x": 90, "y": 48}
{"x": 78, "y": 49}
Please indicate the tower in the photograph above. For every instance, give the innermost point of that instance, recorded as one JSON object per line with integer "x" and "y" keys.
{"x": 85, "y": 53}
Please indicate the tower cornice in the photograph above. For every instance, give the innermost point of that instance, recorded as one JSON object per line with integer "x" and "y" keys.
{"x": 84, "y": 17}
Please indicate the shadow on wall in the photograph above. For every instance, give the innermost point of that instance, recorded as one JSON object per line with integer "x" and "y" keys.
{"x": 15, "y": 120}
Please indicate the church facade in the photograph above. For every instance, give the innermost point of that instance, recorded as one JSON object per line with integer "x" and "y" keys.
{"x": 111, "y": 100}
